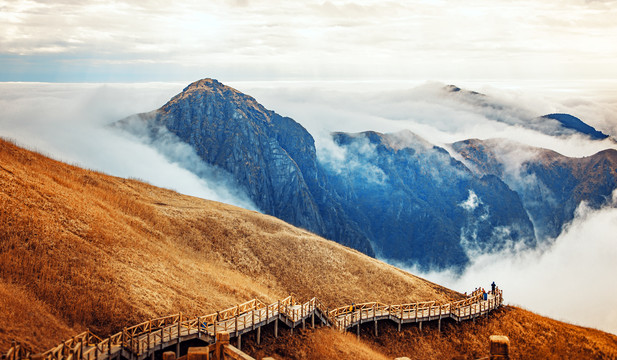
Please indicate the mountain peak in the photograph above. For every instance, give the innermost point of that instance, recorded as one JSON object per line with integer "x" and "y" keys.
{"x": 216, "y": 92}
{"x": 396, "y": 140}
{"x": 209, "y": 85}
{"x": 204, "y": 84}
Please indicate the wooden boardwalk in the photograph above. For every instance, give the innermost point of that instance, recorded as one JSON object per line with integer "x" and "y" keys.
{"x": 141, "y": 341}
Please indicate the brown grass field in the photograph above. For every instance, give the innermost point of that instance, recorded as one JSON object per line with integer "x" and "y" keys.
{"x": 80, "y": 249}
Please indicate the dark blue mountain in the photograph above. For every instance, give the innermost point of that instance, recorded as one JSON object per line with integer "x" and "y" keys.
{"x": 574, "y": 123}
{"x": 414, "y": 201}
{"x": 551, "y": 185}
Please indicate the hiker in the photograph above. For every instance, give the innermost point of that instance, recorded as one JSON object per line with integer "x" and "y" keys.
{"x": 493, "y": 286}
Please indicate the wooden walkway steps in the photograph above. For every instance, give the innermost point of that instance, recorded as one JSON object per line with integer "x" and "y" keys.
{"x": 141, "y": 341}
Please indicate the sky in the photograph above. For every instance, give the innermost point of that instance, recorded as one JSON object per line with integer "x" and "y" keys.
{"x": 185, "y": 40}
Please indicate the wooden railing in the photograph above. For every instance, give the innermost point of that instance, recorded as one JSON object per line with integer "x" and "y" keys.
{"x": 141, "y": 340}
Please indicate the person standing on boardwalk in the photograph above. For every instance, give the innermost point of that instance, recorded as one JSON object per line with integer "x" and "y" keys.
{"x": 493, "y": 286}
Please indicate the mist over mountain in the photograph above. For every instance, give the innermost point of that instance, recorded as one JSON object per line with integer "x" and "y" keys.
{"x": 393, "y": 195}
{"x": 551, "y": 124}
{"x": 551, "y": 185}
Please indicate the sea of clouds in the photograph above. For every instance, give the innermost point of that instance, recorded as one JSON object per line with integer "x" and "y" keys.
{"x": 568, "y": 278}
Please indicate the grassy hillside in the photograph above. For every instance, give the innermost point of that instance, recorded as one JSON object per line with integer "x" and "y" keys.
{"x": 531, "y": 337}
{"x": 82, "y": 249}
{"x": 103, "y": 252}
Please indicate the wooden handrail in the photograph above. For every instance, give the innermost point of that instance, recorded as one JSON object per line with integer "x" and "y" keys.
{"x": 143, "y": 337}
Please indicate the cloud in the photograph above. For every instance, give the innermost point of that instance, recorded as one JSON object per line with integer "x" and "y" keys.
{"x": 472, "y": 202}
{"x": 299, "y": 40}
{"x": 354, "y": 159}
{"x": 70, "y": 122}
{"x": 423, "y": 108}
{"x": 571, "y": 279}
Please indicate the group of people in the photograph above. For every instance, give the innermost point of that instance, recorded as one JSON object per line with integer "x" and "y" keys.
{"x": 484, "y": 293}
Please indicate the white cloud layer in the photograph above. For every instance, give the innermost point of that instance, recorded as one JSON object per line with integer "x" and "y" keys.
{"x": 323, "y": 107}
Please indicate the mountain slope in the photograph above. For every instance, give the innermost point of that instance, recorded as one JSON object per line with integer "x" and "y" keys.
{"x": 101, "y": 252}
{"x": 531, "y": 337}
{"x": 414, "y": 200}
{"x": 551, "y": 185}
{"x": 94, "y": 251}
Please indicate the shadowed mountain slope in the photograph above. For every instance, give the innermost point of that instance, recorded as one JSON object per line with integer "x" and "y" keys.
{"x": 416, "y": 201}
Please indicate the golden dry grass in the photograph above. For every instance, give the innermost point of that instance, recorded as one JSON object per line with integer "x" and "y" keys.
{"x": 531, "y": 337}
{"x": 321, "y": 343}
{"x": 106, "y": 252}
{"x": 80, "y": 249}
{"x": 28, "y": 319}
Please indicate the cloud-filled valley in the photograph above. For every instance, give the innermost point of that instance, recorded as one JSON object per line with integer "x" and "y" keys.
{"x": 71, "y": 122}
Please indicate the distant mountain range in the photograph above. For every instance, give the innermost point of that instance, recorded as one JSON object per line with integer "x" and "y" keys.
{"x": 551, "y": 124}
{"x": 391, "y": 195}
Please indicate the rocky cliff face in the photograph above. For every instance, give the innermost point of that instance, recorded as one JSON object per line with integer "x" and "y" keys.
{"x": 551, "y": 185}
{"x": 272, "y": 157}
{"x": 415, "y": 201}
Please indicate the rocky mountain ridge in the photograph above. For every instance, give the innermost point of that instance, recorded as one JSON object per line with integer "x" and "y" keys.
{"x": 393, "y": 195}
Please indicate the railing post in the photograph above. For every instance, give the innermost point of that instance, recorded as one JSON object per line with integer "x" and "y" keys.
{"x": 179, "y": 321}
{"x": 148, "y": 336}
{"x": 81, "y": 348}
{"x": 259, "y": 335}
{"x": 499, "y": 347}
{"x": 222, "y": 340}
